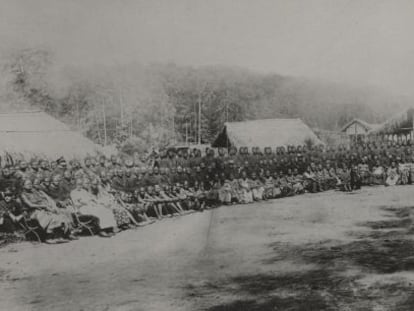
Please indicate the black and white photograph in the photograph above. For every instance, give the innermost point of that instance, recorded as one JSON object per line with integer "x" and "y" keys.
{"x": 206, "y": 155}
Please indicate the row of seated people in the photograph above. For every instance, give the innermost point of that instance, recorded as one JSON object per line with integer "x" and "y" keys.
{"x": 70, "y": 199}
{"x": 61, "y": 212}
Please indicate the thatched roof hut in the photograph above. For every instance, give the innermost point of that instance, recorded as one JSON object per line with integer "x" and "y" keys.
{"x": 37, "y": 133}
{"x": 265, "y": 133}
{"x": 399, "y": 124}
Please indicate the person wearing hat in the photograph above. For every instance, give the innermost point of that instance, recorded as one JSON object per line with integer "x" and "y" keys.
{"x": 130, "y": 180}
{"x": 23, "y": 171}
{"x": 161, "y": 159}
{"x": 179, "y": 176}
{"x": 180, "y": 158}
{"x": 60, "y": 195}
{"x": 221, "y": 159}
{"x": 89, "y": 168}
{"x": 34, "y": 165}
{"x": 67, "y": 181}
{"x": 33, "y": 169}
{"x": 355, "y": 178}
{"x": 171, "y": 159}
{"x": 61, "y": 166}
{"x": 230, "y": 168}
{"x": 118, "y": 181}
{"x": 44, "y": 168}
{"x": 101, "y": 164}
{"x": 7, "y": 180}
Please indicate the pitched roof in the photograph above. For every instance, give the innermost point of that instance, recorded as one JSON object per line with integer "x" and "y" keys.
{"x": 266, "y": 133}
{"x": 33, "y": 121}
{"x": 37, "y": 133}
{"x": 364, "y": 124}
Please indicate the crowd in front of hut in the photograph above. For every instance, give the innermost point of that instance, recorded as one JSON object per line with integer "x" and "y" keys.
{"x": 60, "y": 200}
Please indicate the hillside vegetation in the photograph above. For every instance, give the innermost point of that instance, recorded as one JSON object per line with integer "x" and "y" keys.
{"x": 153, "y": 104}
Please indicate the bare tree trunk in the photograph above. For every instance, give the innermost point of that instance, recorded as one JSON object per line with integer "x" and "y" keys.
{"x": 98, "y": 122}
{"x": 199, "y": 118}
{"x": 21, "y": 69}
{"x": 130, "y": 128}
{"x": 104, "y": 121}
{"x": 195, "y": 123}
{"x": 121, "y": 104}
{"x": 227, "y": 111}
{"x": 186, "y": 133}
{"x": 412, "y": 125}
{"x": 77, "y": 115}
{"x": 173, "y": 128}
{"x": 99, "y": 129}
{"x": 117, "y": 128}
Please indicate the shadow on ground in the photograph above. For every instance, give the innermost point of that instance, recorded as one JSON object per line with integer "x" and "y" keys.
{"x": 399, "y": 218}
{"x": 308, "y": 303}
{"x": 334, "y": 283}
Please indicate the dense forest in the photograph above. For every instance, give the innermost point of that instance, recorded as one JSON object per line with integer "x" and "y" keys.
{"x": 137, "y": 106}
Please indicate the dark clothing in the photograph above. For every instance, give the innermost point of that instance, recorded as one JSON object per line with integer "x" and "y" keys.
{"x": 8, "y": 182}
{"x": 356, "y": 180}
{"x": 8, "y": 225}
{"x": 130, "y": 184}
{"x": 6, "y": 208}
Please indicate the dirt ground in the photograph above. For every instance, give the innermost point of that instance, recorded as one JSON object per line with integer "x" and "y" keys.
{"x": 328, "y": 251}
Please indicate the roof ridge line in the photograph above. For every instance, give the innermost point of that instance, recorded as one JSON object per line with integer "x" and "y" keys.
{"x": 272, "y": 119}
{"x": 22, "y": 112}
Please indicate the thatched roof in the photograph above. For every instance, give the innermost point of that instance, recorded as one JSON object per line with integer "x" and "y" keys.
{"x": 367, "y": 126}
{"x": 265, "y": 133}
{"x": 37, "y": 133}
{"x": 400, "y": 123}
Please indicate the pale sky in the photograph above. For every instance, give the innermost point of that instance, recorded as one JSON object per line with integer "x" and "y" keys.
{"x": 356, "y": 41}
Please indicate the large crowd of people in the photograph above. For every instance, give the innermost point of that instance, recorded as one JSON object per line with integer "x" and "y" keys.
{"x": 101, "y": 195}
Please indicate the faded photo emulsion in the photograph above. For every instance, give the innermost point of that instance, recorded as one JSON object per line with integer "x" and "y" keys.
{"x": 221, "y": 155}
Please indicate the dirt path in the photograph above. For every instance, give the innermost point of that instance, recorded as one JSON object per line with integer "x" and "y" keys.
{"x": 329, "y": 251}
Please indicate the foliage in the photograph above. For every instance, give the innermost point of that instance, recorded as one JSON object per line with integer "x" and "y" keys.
{"x": 158, "y": 104}
{"x": 133, "y": 145}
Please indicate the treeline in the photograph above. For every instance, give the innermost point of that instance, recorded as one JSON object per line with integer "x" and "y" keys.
{"x": 136, "y": 106}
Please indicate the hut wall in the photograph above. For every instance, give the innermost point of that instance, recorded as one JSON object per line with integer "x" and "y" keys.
{"x": 356, "y": 129}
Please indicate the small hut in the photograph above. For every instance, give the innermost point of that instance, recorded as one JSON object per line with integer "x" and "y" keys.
{"x": 358, "y": 130}
{"x": 39, "y": 134}
{"x": 266, "y": 133}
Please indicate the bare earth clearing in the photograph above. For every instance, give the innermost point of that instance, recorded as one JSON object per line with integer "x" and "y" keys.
{"x": 328, "y": 251}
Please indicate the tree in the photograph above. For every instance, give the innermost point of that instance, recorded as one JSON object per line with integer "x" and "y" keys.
{"x": 158, "y": 104}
